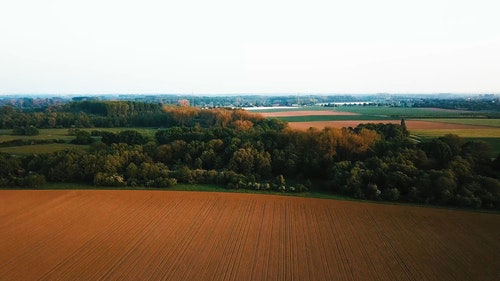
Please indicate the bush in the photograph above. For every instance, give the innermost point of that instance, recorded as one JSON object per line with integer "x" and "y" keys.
{"x": 391, "y": 194}
{"x": 105, "y": 179}
{"x": 83, "y": 137}
{"x": 29, "y": 131}
{"x": 34, "y": 180}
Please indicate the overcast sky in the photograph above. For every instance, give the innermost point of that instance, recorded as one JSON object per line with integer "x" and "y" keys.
{"x": 258, "y": 46}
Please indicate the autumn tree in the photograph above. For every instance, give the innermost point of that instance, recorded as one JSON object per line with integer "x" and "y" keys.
{"x": 182, "y": 115}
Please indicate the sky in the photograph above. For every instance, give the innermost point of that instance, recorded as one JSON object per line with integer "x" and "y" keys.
{"x": 259, "y": 46}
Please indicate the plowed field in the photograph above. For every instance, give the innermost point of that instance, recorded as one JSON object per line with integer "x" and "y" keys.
{"x": 411, "y": 124}
{"x": 159, "y": 235}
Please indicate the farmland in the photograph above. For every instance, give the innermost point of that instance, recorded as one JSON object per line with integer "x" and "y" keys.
{"x": 60, "y": 136}
{"x": 423, "y": 123}
{"x": 39, "y": 148}
{"x": 384, "y": 110}
{"x": 411, "y": 124}
{"x": 152, "y": 235}
{"x": 478, "y": 122}
{"x": 240, "y": 150}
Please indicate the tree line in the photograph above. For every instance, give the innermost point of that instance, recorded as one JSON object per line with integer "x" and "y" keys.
{"x": 485, "y": 104}
{"x": 243, "y": 150}
{"x": 109, "y": 114}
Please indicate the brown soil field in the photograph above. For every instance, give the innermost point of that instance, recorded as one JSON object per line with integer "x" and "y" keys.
{"x": 167, "y": 235}
{"x": 411, "y": 124}
{"x": 306, "y": 113}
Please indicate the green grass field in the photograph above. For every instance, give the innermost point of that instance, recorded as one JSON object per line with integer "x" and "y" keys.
{"x": 200, "y": 187}
{"x": 469, "y": 121}
{"x": 56, "y": 134}
{"x": 393, "y": 112}
{"x": 45, "y": 134}
{"x": 146, "y": 132}
{"x": 409, "y": 112}
{"x": 40, "y": 148}
{"x": 464, "y": 133}
{"x": 490, "y": 136}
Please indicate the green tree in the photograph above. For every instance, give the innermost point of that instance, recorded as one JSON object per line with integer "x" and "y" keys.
{"x": 391, "y": 194}
{"x": 82, "y": 137}
{"x": 34, "y": 180}
{"x": 404, "y": 128}
{"x": 242, "y": 161}
{"x": 281, "y": 182}
{"x": 106, "y": 179}
{"x": 131, "y": 137}
{"x": 26, "y": 131}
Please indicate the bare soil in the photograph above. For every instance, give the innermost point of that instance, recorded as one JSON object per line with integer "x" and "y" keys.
{"x": 411, "y": 124}
{"x": 167, "y": 235}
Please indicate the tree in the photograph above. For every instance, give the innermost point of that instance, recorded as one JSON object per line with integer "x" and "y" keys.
{"x": 106, "y": 179}
{"x": 131, "y": 137}
{"x": 391, "y": 194}
{"x": 445, "y": 185}
{"x": 454, "y": 142}
{"x": 281, "y": 183}
{"x": 372, "y": 192}
{"x": 183, "y": 115}
{"x": 34, "y": 180}
{"x": 222, "y": 116}
{"x": 477, "y": 153}
{"x": 242, "y": 161}
{"x": 82, "y": 137}
{"x": 461, "y": 168}
{"x": 26, "y": 131}
{"x": 438, "y": 150}
{"x": 208, "y": 159}
{"x": 108, "y": 137}
{"x": 31, "y": 131}
{"x": 183, "y": 102}
{"x": 263, "y": 165}
{"x": 403, "y": 127}
{"x": 10, "y": 169}
{"x": 242, "y": 125}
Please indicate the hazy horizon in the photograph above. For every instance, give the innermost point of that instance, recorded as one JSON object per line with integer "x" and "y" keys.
{"x": 261, "y": 47}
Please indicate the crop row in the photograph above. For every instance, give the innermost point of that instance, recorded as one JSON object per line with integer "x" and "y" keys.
{"x": 154, "y": 235}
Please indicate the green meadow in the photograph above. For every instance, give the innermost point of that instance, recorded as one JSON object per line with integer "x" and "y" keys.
{"x": 60, "y": 139}
{"x": 387, "y": 111}
{"x": 490, "y": 135}
{"x": 464, "y": 133}
{"x": 45, "y": 134}
{"x": 469, "y": 121}
{"x": 39, "y": 148}
{"x": 408, "y": 112}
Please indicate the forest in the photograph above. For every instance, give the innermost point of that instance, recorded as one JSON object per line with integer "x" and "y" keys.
{"x": 242, "y": 150}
